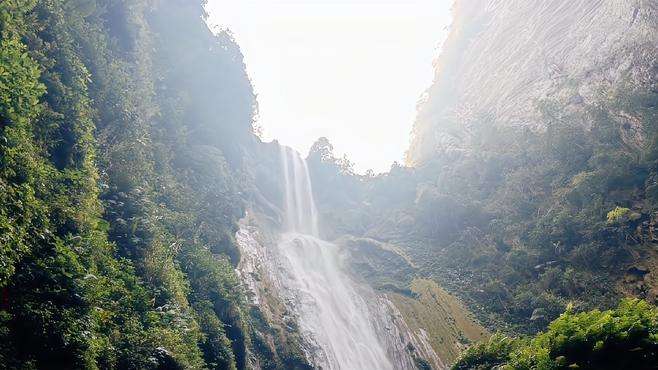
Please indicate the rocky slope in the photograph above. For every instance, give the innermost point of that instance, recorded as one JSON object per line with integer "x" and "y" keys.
{"x": 502, "y": 57}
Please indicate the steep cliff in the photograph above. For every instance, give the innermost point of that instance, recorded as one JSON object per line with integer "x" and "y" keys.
{"x": 502, "y": 57}
{"x": 123, "y": 128}
{"x": 531, "y": 177}
{"x": 128, "y": 159}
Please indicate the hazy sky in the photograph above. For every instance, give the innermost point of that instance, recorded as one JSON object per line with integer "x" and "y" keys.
{"x": 348, "y": 70}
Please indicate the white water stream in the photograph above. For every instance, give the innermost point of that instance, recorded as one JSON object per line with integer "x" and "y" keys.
{"x": 343, "y": 323}
{"x": 331, "y": 308}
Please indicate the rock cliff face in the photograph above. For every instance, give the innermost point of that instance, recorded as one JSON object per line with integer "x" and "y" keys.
{"x": 503, "y": 57}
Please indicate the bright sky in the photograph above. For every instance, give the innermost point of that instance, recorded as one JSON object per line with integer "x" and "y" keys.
{"x": 350, "y": 70}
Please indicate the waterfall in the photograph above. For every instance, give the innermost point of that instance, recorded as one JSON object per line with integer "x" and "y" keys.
{"x": 331, "y": 308}
{"x": 300, "y": 213}
{"x": 342, "y": 323}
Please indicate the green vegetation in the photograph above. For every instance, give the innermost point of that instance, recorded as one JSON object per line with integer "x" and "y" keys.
{"x": 617, "y": 214}
{"x": 127, "y": 156}
{"x": 442, "y": 317}
{"x": 518, "y": 222}
{"x": 622, "y": 338}
{"x": 122, "y": 130}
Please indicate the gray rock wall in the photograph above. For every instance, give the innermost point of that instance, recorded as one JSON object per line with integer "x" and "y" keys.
{"x": 502, "y": 56}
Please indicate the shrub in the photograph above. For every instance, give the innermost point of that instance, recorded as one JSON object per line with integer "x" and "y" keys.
{"x": 617, "y": 215}
{"x": 622, "y": 338}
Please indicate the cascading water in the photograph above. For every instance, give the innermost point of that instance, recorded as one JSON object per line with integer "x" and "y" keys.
{"x": 299, "y": 205}
{"x": 343, "y": 324}
{"x": 332, "y": 312}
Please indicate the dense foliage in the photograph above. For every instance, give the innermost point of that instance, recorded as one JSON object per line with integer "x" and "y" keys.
{"x": 125, "y": 146}
{"x": 622, "y": 338}
{"x": 519, "y": 222}
{"x": 122, "y": 130}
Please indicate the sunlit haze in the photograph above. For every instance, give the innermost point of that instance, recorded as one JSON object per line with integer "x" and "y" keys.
{"x": 348, "y": 70}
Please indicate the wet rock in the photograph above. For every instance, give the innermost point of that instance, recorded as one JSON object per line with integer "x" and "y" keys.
{"x": 637, "y": 271}
{"x": 538, "y": 314}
